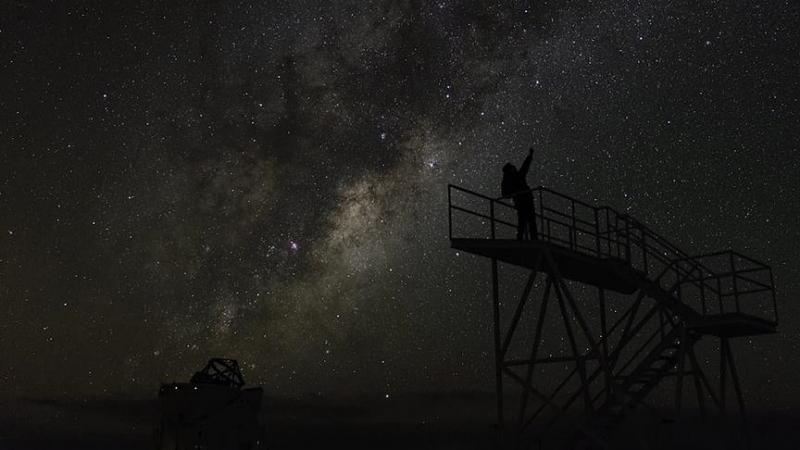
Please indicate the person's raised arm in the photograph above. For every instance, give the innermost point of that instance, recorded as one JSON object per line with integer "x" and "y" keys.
{"x": 523, "y": 170}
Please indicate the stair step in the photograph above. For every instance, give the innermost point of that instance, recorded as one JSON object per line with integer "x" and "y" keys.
{"x": 636, "y": 385}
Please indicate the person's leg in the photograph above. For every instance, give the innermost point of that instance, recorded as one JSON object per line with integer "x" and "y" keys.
{"x": 525, "y": 212}
{"x": 532, "y": 223}
{"x": 521, "y": 225}
{"x": 526, "y": 221}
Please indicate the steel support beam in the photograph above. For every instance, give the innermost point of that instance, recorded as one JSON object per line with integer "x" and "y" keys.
{"x": 498, "y": 357}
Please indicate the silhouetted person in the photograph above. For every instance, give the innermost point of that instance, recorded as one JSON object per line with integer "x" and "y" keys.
{"x": 515, "y": 186}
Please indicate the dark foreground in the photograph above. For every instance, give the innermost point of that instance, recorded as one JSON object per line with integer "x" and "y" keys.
{"x": 446, "y": 421}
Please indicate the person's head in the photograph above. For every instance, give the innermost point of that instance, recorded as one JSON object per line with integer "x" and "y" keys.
{"x": 509, "y": 169}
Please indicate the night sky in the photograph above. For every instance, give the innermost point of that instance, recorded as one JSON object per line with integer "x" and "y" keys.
{"x": 267, "y": 181}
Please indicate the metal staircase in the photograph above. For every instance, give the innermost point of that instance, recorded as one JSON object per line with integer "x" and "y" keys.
{"x": 634, "y": 387}
{"x": 672, "y": 301}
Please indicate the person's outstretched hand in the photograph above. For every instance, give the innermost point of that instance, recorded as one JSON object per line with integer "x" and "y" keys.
{"x": 530, "y": 150}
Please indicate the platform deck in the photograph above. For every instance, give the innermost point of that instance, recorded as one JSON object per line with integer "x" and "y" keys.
{"x": 608, "y": 273}
{"x": 732, "y": 325}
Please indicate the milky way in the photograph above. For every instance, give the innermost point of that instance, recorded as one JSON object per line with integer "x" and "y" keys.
{"x": 267, "y": 181}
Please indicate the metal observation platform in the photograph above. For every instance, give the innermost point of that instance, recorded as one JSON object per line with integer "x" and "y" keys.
{"x": 631, "y": 311}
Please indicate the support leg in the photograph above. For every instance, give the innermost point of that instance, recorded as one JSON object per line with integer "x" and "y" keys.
{"x": 498, "y": 359}
{"x": 534, "y": 351}
{"x": 698, "y": 386}
{"x": 723, "y": 393}
{"x": 520, "y": 306}
{"x": 562, "y": 286}
{"x": 579, "y": 360}
{"x": 679, "y": 377}
{"x": 601, "y": 294}
{"x": 739, "y": 397}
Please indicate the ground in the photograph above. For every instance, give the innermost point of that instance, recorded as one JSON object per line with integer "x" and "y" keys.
{"x": 424, "y": 421}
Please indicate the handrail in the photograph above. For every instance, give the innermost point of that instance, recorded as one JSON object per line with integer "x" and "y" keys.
{"x": 603, "y": 232}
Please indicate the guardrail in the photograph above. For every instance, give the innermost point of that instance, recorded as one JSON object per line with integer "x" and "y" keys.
{"x": 598, "y": 231}
{"x": 728, "y": 282}
{"x": 737, "y": 283}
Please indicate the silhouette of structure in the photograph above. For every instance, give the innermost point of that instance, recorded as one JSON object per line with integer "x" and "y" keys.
{"x": 624, "y": 316}
{"x": 213, "y": 411}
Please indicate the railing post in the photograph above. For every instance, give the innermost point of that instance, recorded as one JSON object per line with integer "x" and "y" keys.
{"x": 620, "y": 238}
{"x": 572, "y": 235}
{"x": 541, "y": 215}
{"x": 774, "y": 303}
{"x": 735, "y": 285}
{"x": 450, "y": 211}
{"x": 702, "y": 290}
{"x": 644, "y": 250}
{"x": 491, "y": 216}
{"x": 628, "y": 239}
{"x": 597, "y": 232}
{"x": 616, "y": 234}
